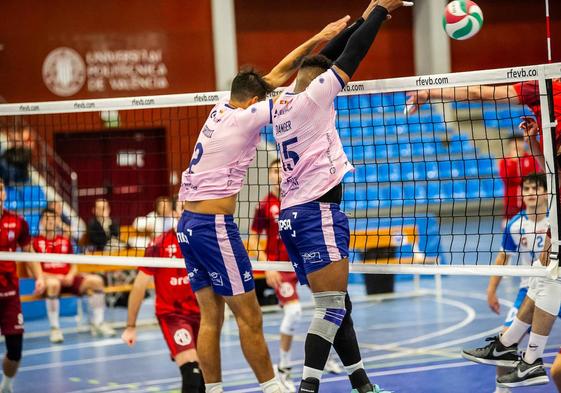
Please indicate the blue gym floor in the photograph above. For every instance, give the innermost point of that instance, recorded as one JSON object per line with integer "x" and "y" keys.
{"x": 409, "y": 344}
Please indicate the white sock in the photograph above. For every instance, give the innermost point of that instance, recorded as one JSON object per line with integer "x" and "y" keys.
{"x": 284, "y": 359}
{"x": 214, "y": 387}
{"x": 6, "y": 382}
{"x": 500, "y": 389}
{"x": 312, "y": 373}
{"x": 514, "y": 333}
{"x": 53, "y": 311}
{"x": 96, "y": 302}
{"x": 272, "y": 386}
{"x": 536, "y": 346}
{"x": 353, "y": 367}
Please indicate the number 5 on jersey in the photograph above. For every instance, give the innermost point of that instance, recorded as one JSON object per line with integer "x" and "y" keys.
{"x": 288, "y": 155}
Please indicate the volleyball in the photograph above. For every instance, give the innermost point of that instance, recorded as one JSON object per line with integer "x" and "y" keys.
{"x": 462, "y": 19}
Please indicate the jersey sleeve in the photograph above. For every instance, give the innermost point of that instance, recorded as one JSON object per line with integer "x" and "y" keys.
{"x": 256, "y": 116}
{"x": 325, "y": 88}
{"x": 259, "y": 220}
{"x": 24, "y": 237}
{"x": 508, "y": 244}
{"x": 528, "y": 93}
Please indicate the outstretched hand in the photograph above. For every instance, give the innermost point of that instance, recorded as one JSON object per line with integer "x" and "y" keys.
{"x": 415, "y": 100}
{"x": 334, "y": 28}
{"x": 392, "y": 5}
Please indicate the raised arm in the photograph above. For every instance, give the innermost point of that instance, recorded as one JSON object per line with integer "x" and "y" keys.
{"x": 286, "y": 67}
{"x": 504, "y": 93}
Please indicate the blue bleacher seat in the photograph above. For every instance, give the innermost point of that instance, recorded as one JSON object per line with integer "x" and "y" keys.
{"x": 354, "y": 101}
{"x": 474, "y": 189}
{"x": 407, "y": 171}
{"x": 376, "y": 100}
{"x": 405, "y": 150}
{"x": 459, "y": 189}
{"x": 33, "y": 221}
{"x": 471, "y": 168}
{"x": 343, "y": 119}
{"x": 432, "y": 171}
{"x": 382, "y": 173}
{"x": 444, "y": 170}
{"x": 372, "y": 192}
{"x": 419, "y": 171}
{"x": 486, "y": 167}
{"x": 458, "y": 168}
{"x": 364, "y": 101}
{"x": 342, "y": 102}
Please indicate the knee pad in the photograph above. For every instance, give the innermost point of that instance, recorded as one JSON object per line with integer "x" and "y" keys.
{"x": 329, "y": 314}
{"x": 547, "y": 295}
{"x": 292, "y": 314}
{"x": 14, "y": 344}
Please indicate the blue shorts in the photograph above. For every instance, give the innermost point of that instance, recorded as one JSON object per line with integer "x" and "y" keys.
{"x": 214, "y": 253}
{"x": 315, "y": 234}
{"x": 516, "y": 306}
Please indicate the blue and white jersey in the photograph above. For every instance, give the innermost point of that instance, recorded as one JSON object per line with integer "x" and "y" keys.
{"x": 523, "y": 240}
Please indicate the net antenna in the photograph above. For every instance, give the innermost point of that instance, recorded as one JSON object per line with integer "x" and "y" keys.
{"x": 548, "y": 31}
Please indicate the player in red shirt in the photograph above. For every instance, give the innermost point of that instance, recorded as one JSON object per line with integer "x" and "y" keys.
{"x": 516, "y": 164}
{"x": 265, "y": 221}
{"x": 64, "y": 278}
{"x": 176, "y": 309}
{"x": 14, "y": 233}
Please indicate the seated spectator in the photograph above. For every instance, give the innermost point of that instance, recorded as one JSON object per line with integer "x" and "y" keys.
{"x": 153, "y": 224}
{"x": 14, "y": 164}
{"x": 517, "y": 163}
{"x": 103, "y": 231}
{"x": 64, "y": 278}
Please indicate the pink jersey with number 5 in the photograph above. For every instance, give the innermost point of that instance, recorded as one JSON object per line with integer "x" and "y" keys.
{"x": 225, "y": 148}
{"x": 313, "y": 160}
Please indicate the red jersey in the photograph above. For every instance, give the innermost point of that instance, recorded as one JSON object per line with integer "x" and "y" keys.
{"x": 529, "y": 94}
{"x": 58, "y": 245}
{"x": 266, "y": 219}
{"x": 512, "y": 170}
{"x": 173, "y": 291}
{"x": 14, "y": 232}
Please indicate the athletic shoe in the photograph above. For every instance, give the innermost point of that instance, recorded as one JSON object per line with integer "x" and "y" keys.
{"x": 494, "y": 353}
{"x": 309, "y": 385}
{"x": 524, "y": 375}
{"x": 332, "y": 367}
{"x": 102, "y": 329}
{"x": 284, "y": 379}
{"x": 369, "y": 388}
{"x": 6, "y": 389}
{"x": 56, "y": 336}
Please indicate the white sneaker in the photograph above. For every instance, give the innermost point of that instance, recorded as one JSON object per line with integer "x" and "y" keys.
{"x": 284, "y": 378}
{"x": 56, "y": 336}
{"x": 6, "y": 389}
{"x": 333, "y": 367}
{"x": 102, "y": 329}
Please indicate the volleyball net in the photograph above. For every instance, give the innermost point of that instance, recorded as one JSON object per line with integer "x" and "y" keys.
{"x": 428, "y": 195}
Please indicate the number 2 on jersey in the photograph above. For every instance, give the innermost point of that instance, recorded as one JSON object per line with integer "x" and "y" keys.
{"x": 197, "y": 155}
{"x": 289, "y": 155}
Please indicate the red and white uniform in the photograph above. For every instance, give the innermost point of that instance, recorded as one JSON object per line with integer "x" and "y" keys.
{"x": 266, "y": 220}
{"x": 58, "y": 245}
{"x": 176, "y": 306}
{"x": 313, "y": 159}
{"x": 227, "y": 144}
{"x": 14, "y": 232}
{"x": 529, "y": 94}
{"x": 512, "y": 170}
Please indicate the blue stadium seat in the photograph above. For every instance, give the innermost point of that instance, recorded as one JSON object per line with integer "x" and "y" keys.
{"x": 357, "y": 153}
{"x": 354, "y": 101}
{"x": 376, "y": 101}
{"x": 438, "y": 191}
{"x": 474, "y": 189}
{"x": 491, "y": 188}
{"x": 372, "y": 193}
{"x": 419, "y": 170}
{"x": 471, "y": 168}
{"x": 492, "y": 123}
{"x": 407, "y": 171}
{"x": 33, "y": 221}
{"x": 359, "y": 176}
{"x": 344, "y": 132}
{"x": 382, "y": 173}
{"x": 381, "y": 131}
{"x": 342, "y": 102}
{"x": 459, "y": 189}
{"x": 487, "y": 167}
{"x": 432, "y": 170}
{"x": 394, "y": 172}
{"x": 458, "y": 168}
{"x": 405, "y": 151}
{"x": 33, "y": 197}
{"x": 343, "y": 119}
{"x": 364, "y": 101}
{"x": 444, "y": 170}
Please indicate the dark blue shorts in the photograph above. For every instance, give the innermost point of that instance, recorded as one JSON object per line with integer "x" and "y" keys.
{"x": 214, "y": 253}
{"x": 315, "y": 234}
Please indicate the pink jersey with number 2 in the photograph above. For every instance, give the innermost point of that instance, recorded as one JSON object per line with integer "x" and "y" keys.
{"x": 224, "y": 150}
{"x": 313, "y": 160}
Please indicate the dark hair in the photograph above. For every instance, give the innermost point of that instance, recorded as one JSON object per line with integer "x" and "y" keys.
{"x": 538, "y": 179}
{"x": 47, "y": 210}
{"x": 276, "y": 161}
{"x": 247, "y": 84}
{"x": 317, "y": 61}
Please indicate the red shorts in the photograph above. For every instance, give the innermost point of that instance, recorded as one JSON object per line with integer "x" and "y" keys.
{"x": 74, "y": 288}
{"x": 180, "y": 331}
{"x": 287, "y": 292}
{"x": 11, "y": 318}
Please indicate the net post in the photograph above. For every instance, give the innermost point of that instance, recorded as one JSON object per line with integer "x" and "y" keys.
{"x": 549, "y": 150}
{"x": 438, "y": 286}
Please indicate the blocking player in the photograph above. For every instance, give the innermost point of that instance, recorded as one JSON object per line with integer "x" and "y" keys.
{"x": 312, "y": 227}
{"x": 538, "y": 312}
{"x": 176, "y": 309}
{"x": 284, "y": 283}
{"x": 523, "y": 240}
{"x": 218, "y": 264}
{"x": 14, "y": 233}
{"x": 64, "y": 278}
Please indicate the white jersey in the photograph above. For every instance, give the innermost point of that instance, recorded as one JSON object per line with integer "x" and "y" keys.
{"x": 313, "y": 160}
{"x": 226, "y": 146}
{"x": 523, "y": 240}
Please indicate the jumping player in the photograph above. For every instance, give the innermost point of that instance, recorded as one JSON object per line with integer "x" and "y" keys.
{"x": 14, "y": 233}
{"x": 312, "y": 227}
{"x": 64, "y": 278}
{"x": 218, "y": 264}
{"x": 176, "y": 309}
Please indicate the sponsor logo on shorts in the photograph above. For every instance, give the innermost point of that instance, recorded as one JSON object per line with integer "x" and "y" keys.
{"x": 285, "y": 225}
{"x": 286, "y": 289}
{"x": 182, "y": 337}
{"x": 247, "y": 276}
{"x": 216, "y": 279}
{"x": 312, "y": 257}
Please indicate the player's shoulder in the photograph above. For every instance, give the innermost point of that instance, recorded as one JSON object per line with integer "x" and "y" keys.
{"x": 515, "y": 223}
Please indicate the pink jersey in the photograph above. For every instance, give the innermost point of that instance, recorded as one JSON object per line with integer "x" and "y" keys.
{"x": 225, "y": 148}
{"x": 313, "y": 160}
